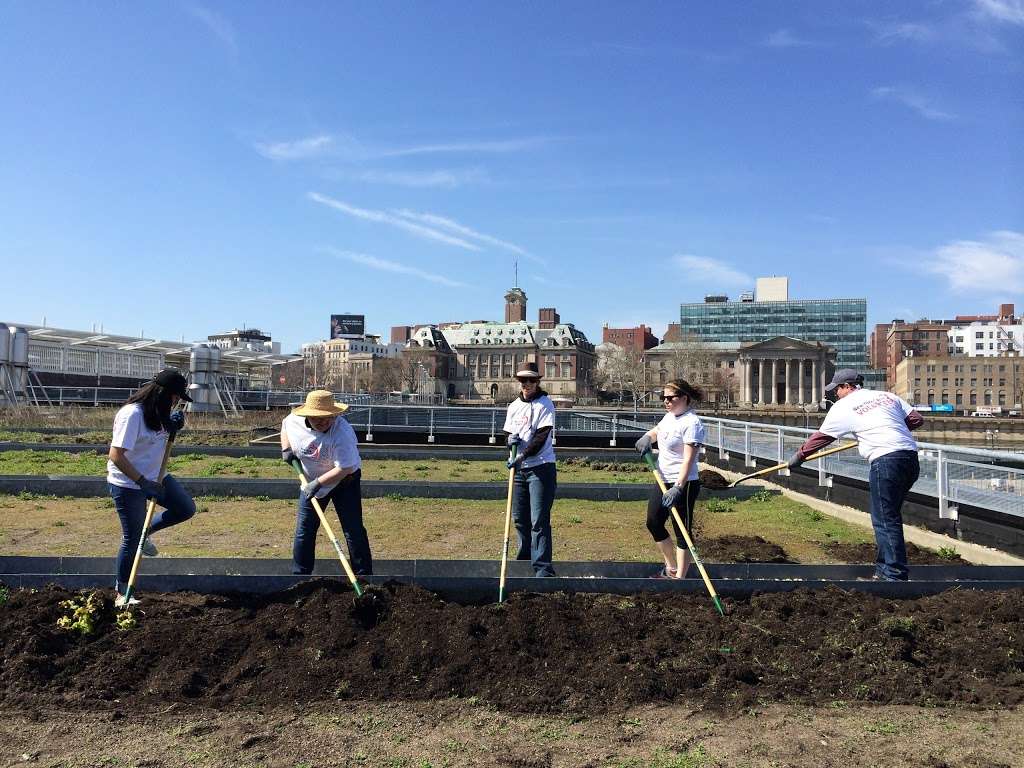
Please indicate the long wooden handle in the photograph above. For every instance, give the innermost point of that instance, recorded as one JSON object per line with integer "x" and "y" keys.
{"x": 330, "y": 533}
{"x": 508, "y": 525}
{"x": 649, "y": 458}
{"x": 783, "y": 465}
{"x": 150, "y": 510}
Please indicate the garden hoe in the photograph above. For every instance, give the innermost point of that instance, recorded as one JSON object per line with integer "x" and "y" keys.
{"x": 783, "y": 465}
{"x": 330, "y": 533}
{"x": 150, "y": 511}
{"x": 648, "y": 457}
{"x": 508, "y": 525}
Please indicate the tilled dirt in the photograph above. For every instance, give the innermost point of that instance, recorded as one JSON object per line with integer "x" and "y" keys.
{"x": 863, "y": 552}
{"x": 536, "y": 653}
{"x": 741, "y": 549}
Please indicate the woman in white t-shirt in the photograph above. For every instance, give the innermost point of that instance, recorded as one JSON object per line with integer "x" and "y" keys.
{"x": 679, "y": 436}
{"x": 142, "y": 428}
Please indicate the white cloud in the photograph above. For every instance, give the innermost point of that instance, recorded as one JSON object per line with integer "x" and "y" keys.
{"x": 992, "y": 266}
{"x": 469, "y": 147}
{"x": 783, "y": 38}
{"x": 453, "y": 226}
{"x": 383, "y": 265}
{"x": 711, "y": 271}
{"x": 910, "y": 98}
{"x": 894, "y": 31}
{"x": 218, "y": 24}
{"x": 296, "y": 150}
{"x": 442, "y": 178}
{"x": 382, "y": 217}
{"x": 1009, "y": 11}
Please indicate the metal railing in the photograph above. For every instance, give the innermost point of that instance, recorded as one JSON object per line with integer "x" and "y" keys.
{"x": 953, "y": 475}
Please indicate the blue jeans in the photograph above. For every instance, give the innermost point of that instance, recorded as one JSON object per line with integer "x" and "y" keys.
{"x": 348, "y": 503}
{"x": 891, "y": 477}
{"x": 130, "y": 504}
{"x": 533, "y": 493}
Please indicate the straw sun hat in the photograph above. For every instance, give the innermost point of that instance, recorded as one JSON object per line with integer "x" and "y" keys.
{"x": 320, "y": 402}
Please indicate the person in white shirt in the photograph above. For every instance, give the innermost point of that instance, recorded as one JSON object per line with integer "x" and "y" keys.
{"x": 679, "y": 436}
{"x": 881, "y": 422}
{"x": 327, "y": 448}
{"x": 529, "y": 423}
{"x": 141, "y": 430}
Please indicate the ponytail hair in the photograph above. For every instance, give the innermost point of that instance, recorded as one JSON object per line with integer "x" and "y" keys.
{"x": 683, "y": 387}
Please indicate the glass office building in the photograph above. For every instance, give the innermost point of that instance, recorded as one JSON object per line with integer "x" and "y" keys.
{"x": 840, "y": 323}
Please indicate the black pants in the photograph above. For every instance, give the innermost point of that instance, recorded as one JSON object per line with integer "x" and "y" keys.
{"x": 657, "y": 514}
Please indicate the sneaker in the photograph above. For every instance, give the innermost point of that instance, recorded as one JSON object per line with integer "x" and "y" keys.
{"x": 149, "y": 548}
{"x": 119, "y": 601}
{"x": 665, "y": 573}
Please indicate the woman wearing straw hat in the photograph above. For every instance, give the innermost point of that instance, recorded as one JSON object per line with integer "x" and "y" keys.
{"x": 529, "y": 424}
{"x": 326, "y": 446}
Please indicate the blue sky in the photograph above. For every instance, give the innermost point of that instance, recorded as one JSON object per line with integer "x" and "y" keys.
{"x": 186, "y": 168}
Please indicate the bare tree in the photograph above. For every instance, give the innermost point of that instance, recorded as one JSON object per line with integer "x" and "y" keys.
{"x": 387, "y": 375}
{"x": 692, "y": 359}
{"x": 625, "y": 372}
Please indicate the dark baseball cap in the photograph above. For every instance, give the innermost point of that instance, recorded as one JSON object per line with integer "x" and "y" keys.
{"x": 844, "y": 376}
{"x": 173, "y": 381}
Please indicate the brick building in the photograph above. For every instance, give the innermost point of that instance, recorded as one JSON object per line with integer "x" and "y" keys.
{"x": 634, "y": 339}
{"x": 964, "y": 382}
{"x": 478, "y": 359}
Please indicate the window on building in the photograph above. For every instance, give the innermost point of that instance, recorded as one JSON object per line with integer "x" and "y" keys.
{"x": 959, "y": 398}
{"x": 979, "y": 334}
{"x": 974, "y": 398}
{"x": 988, "y": 398}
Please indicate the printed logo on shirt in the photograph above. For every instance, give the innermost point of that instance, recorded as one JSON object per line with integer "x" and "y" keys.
{"x": 870, "y": 405}
{"x": 312, "y": 451}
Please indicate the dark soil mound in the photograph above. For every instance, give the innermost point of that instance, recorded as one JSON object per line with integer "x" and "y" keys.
{"x": 741, "y": 549}
{"x": 535, "y": 653}
{"x": 711, "y": 479}
{"x": 865, "y": 553}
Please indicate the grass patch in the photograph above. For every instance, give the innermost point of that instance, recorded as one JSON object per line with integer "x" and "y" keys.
{"x": 403, "y": 528}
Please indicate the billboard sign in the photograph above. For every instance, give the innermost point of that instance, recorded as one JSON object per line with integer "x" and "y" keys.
{"x": 347, "y": 326}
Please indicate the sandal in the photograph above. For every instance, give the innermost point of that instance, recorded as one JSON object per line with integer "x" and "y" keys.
{"x": 665, "y": 573}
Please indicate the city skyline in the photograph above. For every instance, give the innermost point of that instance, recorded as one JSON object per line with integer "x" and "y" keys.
{"x": 189, "y": 168}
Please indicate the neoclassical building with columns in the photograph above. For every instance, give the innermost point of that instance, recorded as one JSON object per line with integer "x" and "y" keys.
{"x": 784, "y": 371}
{"x": 776, "y": 373}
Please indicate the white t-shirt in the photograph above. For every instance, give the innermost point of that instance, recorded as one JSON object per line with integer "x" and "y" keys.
{"x": 524, "y": 418}
{"x": 143, "y": 447}
{"x": 321, "y": 452}
{"x": 674, "y": 433}
{"x": 876, "y": 419}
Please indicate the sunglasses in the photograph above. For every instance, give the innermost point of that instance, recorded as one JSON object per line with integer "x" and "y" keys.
{"x": 527, "y": 381}
{"x": 669, "y": 398}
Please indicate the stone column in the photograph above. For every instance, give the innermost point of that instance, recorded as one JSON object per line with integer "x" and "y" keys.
{"x": 823, "y": 380}
{"x": 760, "y": 381}
{"x": 773, "y": 388}
{"x": 789, "y": 397}
{"x": 815, "y": 396}
{"x": 800, "y": 371}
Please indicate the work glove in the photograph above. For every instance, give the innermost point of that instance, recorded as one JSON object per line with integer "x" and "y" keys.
{"x": 795, "y": 461}
{"x": 643, "y": 445}
{"x": 310, "y": 488}
{"x": 512, "y": 440}
{"x": 174, "y": 423}
{"x": 514, "y": 463}
{"x": 668, "y": 500}
{"x": 151, "y": 488}
{"x": 288, "y": 456}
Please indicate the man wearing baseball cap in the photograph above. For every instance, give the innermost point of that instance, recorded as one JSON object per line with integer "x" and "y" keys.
{"x": 881, "y": 422}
